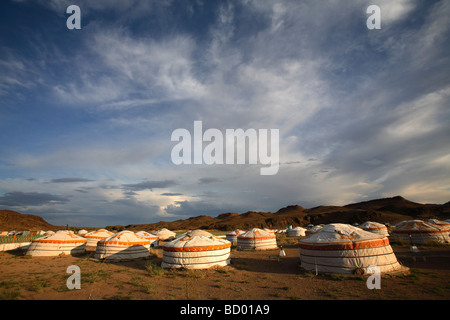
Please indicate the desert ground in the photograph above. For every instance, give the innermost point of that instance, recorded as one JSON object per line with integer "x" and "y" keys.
{"x": 252, "y": 275}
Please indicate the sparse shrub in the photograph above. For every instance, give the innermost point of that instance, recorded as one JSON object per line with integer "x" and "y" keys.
{"x": 337, "y": 277}
{"x": 9, "y": 290}
{"x": 154, "y": 270}
{"x": 148, "y": 287}
{"x": 9, "y": 294}
{"x": 118, "y": 297}
{"x": 223, "y": 271}
{"x": 38, "y": 285}
{"x": 136, "y": 281}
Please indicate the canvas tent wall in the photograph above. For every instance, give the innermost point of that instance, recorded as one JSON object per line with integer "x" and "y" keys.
{"x": 342, "y": 248}
{"x": 421, "y": 232}
{"x": 375, "y": 227}
{"x": 149, "y": 236}
{"x": 165, "y": 234}
{"x": 297, "y": 232}
{"x": 232, "y": 236}
{"x": 257, "y": 239}
{"x": 121, "y": 246}
{"x": 196, "y": 252}
{"x": 95, "y": 236}
{"x": 61, "y": 242}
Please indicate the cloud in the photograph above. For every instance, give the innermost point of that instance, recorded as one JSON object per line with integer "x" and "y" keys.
{"x": 69, "y": 180}
{"x": 195, "y": 208}
{"x": 208, "y": 180}
{"x": 23, "y": 199}
{"x": 171, "y": 194}
{"x": 150, "y": 185}
{"x": 81, "y": 191}
{"x": 361, "y": 113}
{"x": 18, "y": 72}
{"x": 90, "y": 157}
{"x": 392, "y": 11}
{"x": 131, "y": 71}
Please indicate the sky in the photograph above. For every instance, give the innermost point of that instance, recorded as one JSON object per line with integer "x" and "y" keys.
{"x": 87, "y": 115}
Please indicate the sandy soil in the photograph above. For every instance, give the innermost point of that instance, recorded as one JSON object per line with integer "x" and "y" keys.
{"x": 252, "y": 275}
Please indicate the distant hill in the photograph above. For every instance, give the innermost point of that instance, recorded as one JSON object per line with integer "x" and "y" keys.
{"x": 11, "y": 220}
{"x": 382, "y": 204}
{"x": 386, "y": 210}
{"x": 400, "y": 205}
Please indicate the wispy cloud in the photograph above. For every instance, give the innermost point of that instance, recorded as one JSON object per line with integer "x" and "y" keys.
{"x": 69, "y": 180}
{"x": 24, "y": 199}
{"x": 361, "y": 113}
{"x": 150, "y": 185}
{"x": 171, "y": 194}
{"x": 208, "y": 180}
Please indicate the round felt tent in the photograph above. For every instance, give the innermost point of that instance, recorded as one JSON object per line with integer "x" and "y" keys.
{"x": 342, "y": 248}
{"x": 269, "y": 230}
{"x": 421, "y": 232}
{"x": 196, "y": 252}
{"x": 297, "y": 232}
{"x": 95, "y": 236}
{"x": 82, "y": 232}
{"x": 313, "y": 230}
{"x": 149, "y": 236}
{"x": 257, "y": 239}
{"x": 439, "y": 222}
{"x": 232, "y": 236}
{"x": 375, "y": 227}
{"x": 60, "y": 242}
{"x": 124, "y": 245}
{"x": 165, "y": 234}
{"x": 197, "y": 232}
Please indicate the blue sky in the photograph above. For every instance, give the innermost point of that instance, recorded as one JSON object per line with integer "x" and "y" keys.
{"x": 86, "y": 115}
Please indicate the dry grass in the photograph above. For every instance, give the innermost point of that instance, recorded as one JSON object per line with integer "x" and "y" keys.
{"x": 252, "y": 275}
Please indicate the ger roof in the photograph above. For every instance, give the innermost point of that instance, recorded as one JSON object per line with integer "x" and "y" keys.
{"x": 146, "y": 235}
{"x": 343, "y": 235}
{"x": 62, "y": 236}
{"x": 257, "y": 234}
{"x": 99, "y": 234}
{"x": 419, "y": 226}
{"x": 196, "y": 243}
{"x": 125, "y": 237}
{"x": 371, "y": 225}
